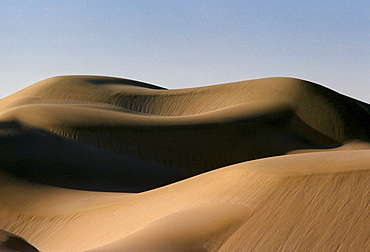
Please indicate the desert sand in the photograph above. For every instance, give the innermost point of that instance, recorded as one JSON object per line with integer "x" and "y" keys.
{"x": 92, "y": 163}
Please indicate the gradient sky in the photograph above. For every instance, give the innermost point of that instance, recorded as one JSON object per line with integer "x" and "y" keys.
{"x": 177, "y": 44}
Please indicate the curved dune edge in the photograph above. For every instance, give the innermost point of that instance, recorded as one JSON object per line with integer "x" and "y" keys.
{"x": 203, "y": 160}
{"x": 11, "y": 242}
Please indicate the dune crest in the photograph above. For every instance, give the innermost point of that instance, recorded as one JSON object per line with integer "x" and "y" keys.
{"x": 93, "y": 163}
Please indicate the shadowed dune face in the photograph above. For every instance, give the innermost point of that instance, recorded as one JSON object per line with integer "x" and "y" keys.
{"x": 259, "y": 165}
{"x": 44, "y": 157}
{"x": 13, "y": 243}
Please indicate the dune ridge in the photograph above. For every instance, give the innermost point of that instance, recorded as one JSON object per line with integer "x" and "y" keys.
{"x": 93, "y": 163}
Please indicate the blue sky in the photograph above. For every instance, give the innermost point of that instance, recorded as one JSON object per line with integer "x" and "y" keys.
{"x": 178, "y": 44}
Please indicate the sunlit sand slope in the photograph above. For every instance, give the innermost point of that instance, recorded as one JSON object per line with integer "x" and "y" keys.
{"x": 91, "y": 163}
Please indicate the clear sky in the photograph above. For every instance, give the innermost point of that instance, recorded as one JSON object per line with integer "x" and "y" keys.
{"x": 178, "y": 44}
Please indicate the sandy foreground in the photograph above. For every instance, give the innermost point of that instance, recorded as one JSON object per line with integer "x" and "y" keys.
{"x": 91, "y": 163}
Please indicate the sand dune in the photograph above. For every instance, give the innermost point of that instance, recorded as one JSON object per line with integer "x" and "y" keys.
{"x": 91, "y": 163}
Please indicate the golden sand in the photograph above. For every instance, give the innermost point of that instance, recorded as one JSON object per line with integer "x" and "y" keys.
{"x": 91, "y": 163}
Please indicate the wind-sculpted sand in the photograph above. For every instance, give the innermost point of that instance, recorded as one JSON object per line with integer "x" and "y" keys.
{"x": 90, "y": 163}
